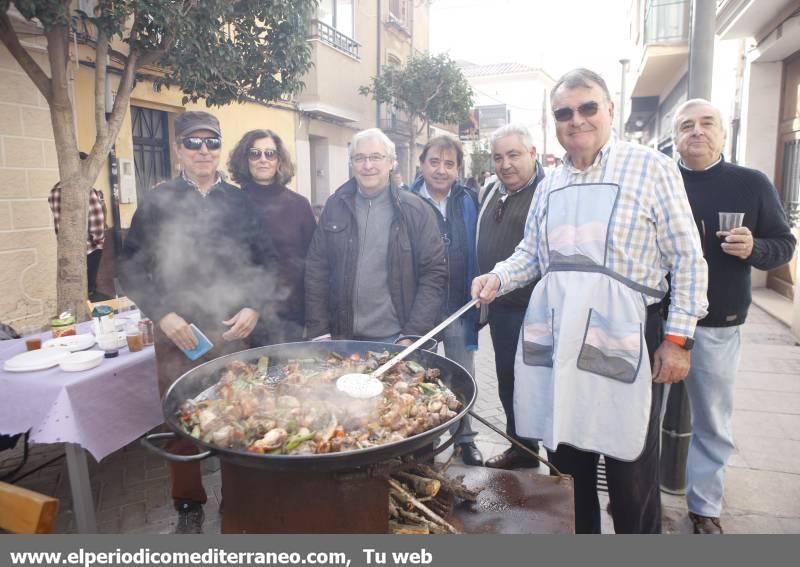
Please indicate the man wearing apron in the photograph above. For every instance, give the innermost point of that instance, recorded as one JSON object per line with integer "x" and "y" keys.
{"x": 603, "y": 233}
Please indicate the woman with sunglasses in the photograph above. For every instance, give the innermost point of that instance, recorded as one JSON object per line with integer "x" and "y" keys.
{"x": 261, "y": 165}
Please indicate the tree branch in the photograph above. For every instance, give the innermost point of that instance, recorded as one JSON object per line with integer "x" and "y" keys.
{"x": 100, "y": 77}
{"x": 36, "y": 74}
{"x": 436, "y": 92}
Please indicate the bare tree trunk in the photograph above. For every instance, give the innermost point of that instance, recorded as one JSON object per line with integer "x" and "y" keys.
{"x": 412, "y": 148}
{"x": 71, "y": 283}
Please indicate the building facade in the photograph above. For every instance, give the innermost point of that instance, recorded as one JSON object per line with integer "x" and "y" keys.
{"x": 351, "y": 40}
{"x": 513, "y": 92}
{"x": 756, "y": 81}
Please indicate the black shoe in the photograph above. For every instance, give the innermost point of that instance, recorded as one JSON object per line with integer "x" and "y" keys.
{"x": 470, "y": 454}
{"x": 513, "y": 458}
{"x": 190, "y": 517}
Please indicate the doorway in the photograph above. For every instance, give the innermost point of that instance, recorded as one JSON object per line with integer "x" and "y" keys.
{"x": 788, "y": 168}
{"x": 150, "y": 148}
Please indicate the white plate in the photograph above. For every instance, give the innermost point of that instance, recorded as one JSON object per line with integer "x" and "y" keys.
{"x": 84, "y": 360}
{"x": 72, "y": 343}
{"x": 35, "y": 360}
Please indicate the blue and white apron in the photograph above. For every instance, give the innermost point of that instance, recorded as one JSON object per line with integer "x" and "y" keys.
{"x": 582, "y": 372}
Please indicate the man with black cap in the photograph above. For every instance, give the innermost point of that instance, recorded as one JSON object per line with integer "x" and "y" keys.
{"x": 195, "y": 255}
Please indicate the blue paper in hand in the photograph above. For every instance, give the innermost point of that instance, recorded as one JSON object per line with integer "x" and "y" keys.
{"x": 203, "y": 345}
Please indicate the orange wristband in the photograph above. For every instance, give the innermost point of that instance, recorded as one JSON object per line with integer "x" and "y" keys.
{"x": 676, "y": 339}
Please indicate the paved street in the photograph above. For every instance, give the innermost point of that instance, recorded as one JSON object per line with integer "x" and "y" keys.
{"x": 762, "y": 493}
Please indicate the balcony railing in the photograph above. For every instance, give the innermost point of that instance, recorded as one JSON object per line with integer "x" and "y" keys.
{"x": 333, "y": 37}
{"x": 666, "y": 21}
{"x": 395, "y": 125}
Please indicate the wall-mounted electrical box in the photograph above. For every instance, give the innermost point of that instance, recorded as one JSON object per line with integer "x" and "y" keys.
{"x": 127, "y": 181}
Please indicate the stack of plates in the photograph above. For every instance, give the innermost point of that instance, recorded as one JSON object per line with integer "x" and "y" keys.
{"x": 36, "y": 360}
{"x": 80, "y": 361}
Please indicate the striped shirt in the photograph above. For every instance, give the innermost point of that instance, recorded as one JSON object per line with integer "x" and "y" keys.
{"x": 652, "y": 232}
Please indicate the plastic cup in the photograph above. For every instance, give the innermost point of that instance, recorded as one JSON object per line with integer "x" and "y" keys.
{"x": 729, "y": 221}
{"x": 33, "y": 338}
{"x": 134, "y": 338}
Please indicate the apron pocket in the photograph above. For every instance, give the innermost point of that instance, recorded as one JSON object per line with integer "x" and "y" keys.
{"x": 537, "y": 340}
{"x": 611, "y": 348}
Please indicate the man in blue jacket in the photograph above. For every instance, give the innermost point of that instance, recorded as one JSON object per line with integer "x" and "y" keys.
{"x": 762, "y": 238}
{"x": 457, "y": 212}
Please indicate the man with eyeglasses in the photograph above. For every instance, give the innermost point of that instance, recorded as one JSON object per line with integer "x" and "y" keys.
{"x": 761, "y": 238}
{"x": 604, "y": 231}
{"x": 456, "y": 210}
{"x": 195, "y": 255}
{"x": 376, "y": 268}
{"x": 501, "y": 225}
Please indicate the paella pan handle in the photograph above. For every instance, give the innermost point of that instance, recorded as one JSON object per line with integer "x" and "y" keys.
{"x": 147, "y": 442}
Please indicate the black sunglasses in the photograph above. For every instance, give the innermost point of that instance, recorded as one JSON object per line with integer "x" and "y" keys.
{"x": 254, "y": 154}
{"x": 586, "y": 109}
{"x": 498, "y": 212}
{"x": 194, "y": 142}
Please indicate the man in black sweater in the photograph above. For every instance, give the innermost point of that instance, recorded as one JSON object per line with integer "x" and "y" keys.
{"x": 715, "y": 189}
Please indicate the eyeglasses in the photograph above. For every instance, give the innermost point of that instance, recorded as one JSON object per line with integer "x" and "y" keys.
{"x": 586, "y": 110}
{"x": 360, "y": 159}
{"x": 498, "y": 212}
{"x": 194, "y": 142}
{"x": 254, "y": 154}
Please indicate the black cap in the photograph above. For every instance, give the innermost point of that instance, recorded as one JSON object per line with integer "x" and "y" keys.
{"x": 192, "y": 121}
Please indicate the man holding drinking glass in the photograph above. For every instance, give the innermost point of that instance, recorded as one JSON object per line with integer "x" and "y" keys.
{"x": 741, "y": 224}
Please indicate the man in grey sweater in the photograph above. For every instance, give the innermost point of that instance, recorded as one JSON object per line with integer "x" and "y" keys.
{"x": 376, "y": 268}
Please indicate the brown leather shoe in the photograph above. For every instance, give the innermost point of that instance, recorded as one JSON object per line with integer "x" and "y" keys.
{"x": 512, "y": 458}
{"x": 706, "y": 524}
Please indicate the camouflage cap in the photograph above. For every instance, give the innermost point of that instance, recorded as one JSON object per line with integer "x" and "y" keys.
{"x": 195, "y": 120}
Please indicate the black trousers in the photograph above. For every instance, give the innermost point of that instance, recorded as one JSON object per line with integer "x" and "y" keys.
{"x": 92, "y": 267}
{"x": 633, "y": 486}
{"x": 504, "y": 325}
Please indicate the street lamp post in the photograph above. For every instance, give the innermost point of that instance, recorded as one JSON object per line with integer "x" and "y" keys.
{"x": 622, "y": 96}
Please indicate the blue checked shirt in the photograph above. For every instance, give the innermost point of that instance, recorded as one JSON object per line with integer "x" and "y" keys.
{"x": 652, "y": 231}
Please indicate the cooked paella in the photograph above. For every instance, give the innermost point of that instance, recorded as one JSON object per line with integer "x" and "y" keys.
{"x": 298, "y": 409}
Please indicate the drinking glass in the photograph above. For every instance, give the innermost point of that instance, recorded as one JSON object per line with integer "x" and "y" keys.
{"x": 729, "y": 221}
{"x": 33, "y": 337}
{"x": 134, "y": 337}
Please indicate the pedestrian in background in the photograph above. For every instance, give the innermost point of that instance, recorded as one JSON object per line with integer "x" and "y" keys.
{"x": 95, "y": 233}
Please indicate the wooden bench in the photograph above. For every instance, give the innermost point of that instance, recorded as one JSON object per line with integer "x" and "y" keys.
{"x": 24, "y": 511}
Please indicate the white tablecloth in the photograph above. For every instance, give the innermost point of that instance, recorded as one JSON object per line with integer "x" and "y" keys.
{"x": 101, "y": 410}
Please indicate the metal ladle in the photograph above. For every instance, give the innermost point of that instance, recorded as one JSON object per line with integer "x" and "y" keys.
{"x": 366, "y": 386}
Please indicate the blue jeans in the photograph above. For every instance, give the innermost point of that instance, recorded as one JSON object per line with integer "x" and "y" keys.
{"x": 454, "y": 349}
{"x": 715, "y": 361}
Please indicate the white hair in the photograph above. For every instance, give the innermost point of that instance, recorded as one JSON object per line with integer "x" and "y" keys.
{"x": 373, "y": 134}
{"x": 689, "y": 104}
{"x": 512, "y": 130}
